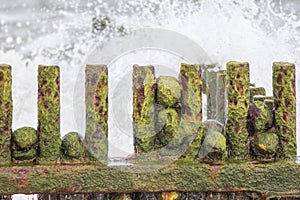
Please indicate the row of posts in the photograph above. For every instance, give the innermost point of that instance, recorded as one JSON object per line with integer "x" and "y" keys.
{"x": 167, "y": 116}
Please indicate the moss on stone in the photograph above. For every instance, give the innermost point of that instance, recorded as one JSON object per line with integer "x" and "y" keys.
{"x": 265, "y": 145}
{"x": 96, "y": 99}
{"x": 254, "y": 91}
{"x": 49, "y": 114}
{"x": 5, "y": 113}
{"x": 144, "y": 85}
{"x": 213, "y": 148}
{"x": 72, "y": 146}
{"x": 25, "y": 137}
{"x": 285, "y": 108}
{"x": 169, "y": 120}
{"x": 259, "y": 118}
{"x": 24, "y": 156}
{"x": 238, "y": 104}
{"x": 168, "y": 91}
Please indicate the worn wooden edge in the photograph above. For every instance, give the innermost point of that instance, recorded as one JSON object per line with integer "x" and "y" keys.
{"x": 274, "y": 179}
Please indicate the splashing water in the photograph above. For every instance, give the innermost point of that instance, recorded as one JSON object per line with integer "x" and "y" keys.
{"x": 61, "y": 32}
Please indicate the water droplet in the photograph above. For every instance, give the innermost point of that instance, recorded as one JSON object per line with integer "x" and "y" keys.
{"x": 9, "y": 40}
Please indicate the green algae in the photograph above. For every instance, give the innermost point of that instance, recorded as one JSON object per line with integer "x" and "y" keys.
{"x": 24, "y": 156}
{"x": 96, "y": 97}
{"x": 191, "y": 110}
{"x": 254, "y": 91}
{"x": 6, "y": 113}
{"x": 265, "y": 145}
{"x": 169, "y": 120}
{"x": 259, "y": 118}
{"x": 285, "y": 108}
{"x": 238, "y": 105}
{"x": 49, "y": 114}
{"x": 144, "y": 85}
{"x": 25, "y": 137}
{"x": 72, "y": 146}
{"x": 168, "y": 91}
{"x": 213, "y": 148}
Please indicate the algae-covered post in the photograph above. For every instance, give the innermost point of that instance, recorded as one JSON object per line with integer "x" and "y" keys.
{"x": 49, "y": 114}
{"x": 238, "y": 104}
{"x": 190, "y": 78}
{"x": 285, "y": 107}
{"x": 144, "y": 84}
{"x": 6, "y": 113}
{"x": 96, "y": 96}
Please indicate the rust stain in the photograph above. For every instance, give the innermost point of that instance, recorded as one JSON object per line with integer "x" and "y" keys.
{"x": 20, "y": 177}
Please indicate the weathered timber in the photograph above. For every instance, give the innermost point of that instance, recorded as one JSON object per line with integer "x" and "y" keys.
{"x": 49, "y": 114}
{"x": 6, "y": 113}
{"x": 144, "y": 85}
{"x": 190, "y": 78}
{"x": 185, "y": 176}
{"x": 96, "y": 100}
{"x": 238, "y": 105}
{"x": 284, "y": 93}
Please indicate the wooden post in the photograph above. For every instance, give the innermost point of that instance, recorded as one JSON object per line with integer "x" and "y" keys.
{"x": 96, "y": 99}
{"x": 284, "y": 93}
{"x": 5, "y": 114}
{"x": 49, "y": 114}
{"x": 144, "y": 84}
{"x": 190, "y": 78}
{"x": 238, "y": 104}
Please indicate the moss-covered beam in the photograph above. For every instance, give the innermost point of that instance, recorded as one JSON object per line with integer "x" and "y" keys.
{"x": 96, "y": 100}
{"x": 284, "y": 93}
{"x": 144, "y": 86}
{"x": 280, "y": 178}
{"x": 5, "y": 113}
{"x": 238, "y": 105}
{"x": 49, "y": 114}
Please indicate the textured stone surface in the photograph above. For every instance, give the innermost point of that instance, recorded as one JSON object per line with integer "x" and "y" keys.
{"x": 259, "y": 117}
{"x": 169, "y": 120}
{"x": 72, "y": 146}
{"x": 265, "y": 145}
{"x": 25, "y": 137}
{"x": 5, "y": 113}
{"x": 238, "y": 105}
{"x": 96, "y": 100}
{"x": 49, "y": 114}
{"x": 254, "y": 91}
{"x": 168, "y": 91}
{"x": 144, "y": 85}
{"x": 213, "y": 148}
{"x": 285, "y": 107}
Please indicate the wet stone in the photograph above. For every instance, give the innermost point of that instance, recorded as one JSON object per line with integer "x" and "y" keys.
{"x": 265, "y": 145}
{"x": 213, "y": 147}
{"x": 168, "y": 91}
{"x": 72, "y": 146}
{"x": 25, "y": 137}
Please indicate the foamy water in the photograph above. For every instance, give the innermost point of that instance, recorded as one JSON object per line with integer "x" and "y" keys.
{"x": 60, "y": 32}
